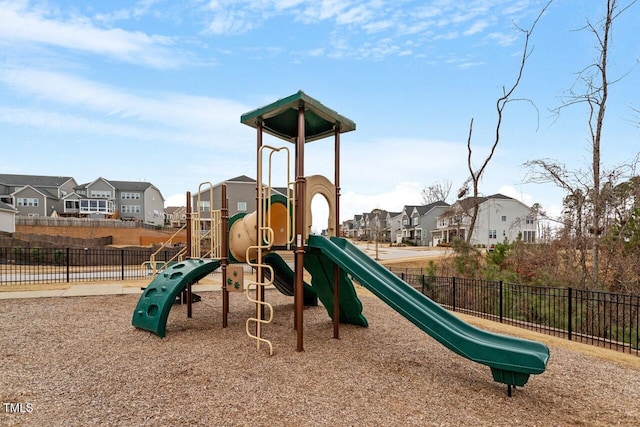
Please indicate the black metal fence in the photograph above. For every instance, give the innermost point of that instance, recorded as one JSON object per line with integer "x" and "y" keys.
{"x": 51, "y": 265}
{"x": 604, "y": 319}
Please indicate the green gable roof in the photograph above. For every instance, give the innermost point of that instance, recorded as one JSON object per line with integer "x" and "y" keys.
{"x": 280, "y": 118}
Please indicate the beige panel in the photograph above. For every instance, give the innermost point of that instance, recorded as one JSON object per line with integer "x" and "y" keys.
{"x": 318, "y": 184}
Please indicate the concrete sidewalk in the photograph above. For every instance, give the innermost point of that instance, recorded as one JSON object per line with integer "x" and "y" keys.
{"x": 92, "y": 290}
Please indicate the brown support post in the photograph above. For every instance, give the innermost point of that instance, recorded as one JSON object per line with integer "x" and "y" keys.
{"x": 300, "y": 228}
{"x": 189, "y": 237}
{"x": 336, "y": 269}
{"x": 224, "y": 258}
{"x": 259, "y": 289}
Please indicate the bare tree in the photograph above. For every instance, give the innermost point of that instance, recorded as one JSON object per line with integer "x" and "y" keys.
{"x": 436, "y": 192}
{"x": 593, "y": 90}
{"x": 476, "y": 174}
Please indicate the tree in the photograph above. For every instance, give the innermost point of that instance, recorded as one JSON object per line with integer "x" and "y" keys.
{"x": 436, "y": 192}
{"x": 476, "y": 174}
{"x": 586, "y": 191}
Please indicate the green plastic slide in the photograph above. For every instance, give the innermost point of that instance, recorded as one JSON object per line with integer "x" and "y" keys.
{"x": 157, "y": 299}
{"x": 322, "y": 273}
{"x": 512, "y": 360}
{"x": 284, "y": 279}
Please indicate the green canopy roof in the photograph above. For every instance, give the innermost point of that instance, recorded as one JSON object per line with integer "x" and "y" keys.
{"x": 280, "y": 118}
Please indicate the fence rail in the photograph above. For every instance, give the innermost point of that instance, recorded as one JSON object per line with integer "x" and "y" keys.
{"x": 82, "y": 222}
{"x": 50, "y": 265}
{"x": 604, "y": 319}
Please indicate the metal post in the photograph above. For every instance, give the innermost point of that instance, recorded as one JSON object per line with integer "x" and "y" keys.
{"x": 336, "y": 269}
{"x": 453, "y": 294}
{"x": 300, "y": 230}
{"x": 68, "y": 261}
{"x": 569, "y": 312}
{"x": 224, "y": 259}
{"x": 259, "y": 271}
{"x": 187, "y": 294}
{"x": 189, "y": 236}
{"x": 122, "y": 262}
{"x": 501, "y": 300}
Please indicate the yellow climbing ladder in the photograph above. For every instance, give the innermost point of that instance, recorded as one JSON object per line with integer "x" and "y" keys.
{"x": 264, "y": 242}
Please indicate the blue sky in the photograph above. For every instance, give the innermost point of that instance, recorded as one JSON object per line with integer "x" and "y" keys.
{"x": 153, "y": 90}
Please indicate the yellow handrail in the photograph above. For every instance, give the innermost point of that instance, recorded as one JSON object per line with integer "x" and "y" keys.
{"x": 265, "y": 239}
{"x": 152, "y": 258}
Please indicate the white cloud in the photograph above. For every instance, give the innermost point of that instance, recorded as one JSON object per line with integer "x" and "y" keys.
{"x": 21, "y": 24}
{"x": 176, "y": 200}
{"x": 200, "y": 115}
{"x": 355, "y": 203}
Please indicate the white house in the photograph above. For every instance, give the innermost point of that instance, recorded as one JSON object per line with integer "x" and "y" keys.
{"x": 500, "y": 218}
{"x": 7, "y": 218}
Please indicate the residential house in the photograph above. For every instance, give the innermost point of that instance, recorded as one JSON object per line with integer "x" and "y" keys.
{"x": 417, "y": 223}
{"x": 347, "y": 229}
{"x": 241, "y": 196}
{"x": 7, "y": 218}
{"x": 394, "y": 226}
{"x": 427, "y": 220}
{"x": 358, "y": 227}
{"x": 500, "y": 218}
{"x": 35, "y": 195}
{"x": 128, "y": 200}
{"x": 175, "y": 216}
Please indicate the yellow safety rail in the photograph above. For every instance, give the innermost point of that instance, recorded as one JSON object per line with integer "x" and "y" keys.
{"x": 153, "y": 265}
{"x": 264, "y": 242}
{"x": 206, "y": 231}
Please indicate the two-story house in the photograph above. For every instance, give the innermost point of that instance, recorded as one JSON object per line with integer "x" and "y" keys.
{"x": 500, "y": 218}
{"x": 175, "y": 216}
{"x": 128, "y": 200}
{"x": 394, "y": 226}
{"x": 35, "y": 195}
{"x": 241, "y": 196}
{"x": 427, "y": 219}
{"x": 418, "y": 221}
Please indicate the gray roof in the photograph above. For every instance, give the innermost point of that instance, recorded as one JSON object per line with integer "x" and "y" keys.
{"x": 426, "y": 208}
{"x": 33, "y": 180}
{"x": 121, "y": 185}
{"x": 6, "y": 207}
{"x": 130, "y": 185}
{"x": 241, "y": 178}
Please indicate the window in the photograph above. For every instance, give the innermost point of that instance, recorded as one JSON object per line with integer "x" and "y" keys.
{"x": 529, "y": 220}
{"x": 405, "y": 221}
{"x": 242, "y": 206}
{"x": 416, "y": 220}
{"x": 205, "y": 206}
{"x": 504, "y": 218}
{"x": 101, "y": 194}
{"x": 492, "y": 234}
{"x": 71, "y": 205}
{"x": 130, "y": 209}
{"x": 529, "y": 236}
{"x": 95, "y": 206}
{"x": 129, "y": 196}
{"x": 26, "y": 201}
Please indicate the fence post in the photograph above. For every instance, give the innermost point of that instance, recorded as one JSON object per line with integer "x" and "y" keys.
{"x": 569, "y": 312}
{"x": 68, "y": 261}
{"x": 453, "y": 296}
{"x": 422, "y": 278}
{"x": 122, "y": 262}
{"x": 501, "y": 300}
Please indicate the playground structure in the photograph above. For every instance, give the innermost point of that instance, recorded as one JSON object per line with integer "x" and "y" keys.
{"x": 283, "y": 222}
